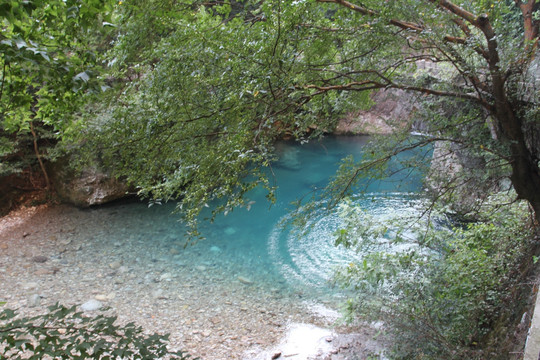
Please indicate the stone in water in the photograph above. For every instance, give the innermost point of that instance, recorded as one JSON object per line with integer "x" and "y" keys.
{"x": 115, "y": 265}
{"x": 245, "y": 280}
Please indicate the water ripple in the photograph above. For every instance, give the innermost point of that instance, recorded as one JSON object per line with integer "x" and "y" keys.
{"x": 311, "y": 259}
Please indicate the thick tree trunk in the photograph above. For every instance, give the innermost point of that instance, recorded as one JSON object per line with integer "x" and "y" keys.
{"x": 526, "y": 178}
{"x": 525, "y": 175}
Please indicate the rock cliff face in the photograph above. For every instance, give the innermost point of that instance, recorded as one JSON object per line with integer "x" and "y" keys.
{"x": 455, "y": 175}
{"x": 92, "y": 186}
{"x": 393, "y": 109}
{"x": 21, "y": 188}
{"x": 458, "y": 178}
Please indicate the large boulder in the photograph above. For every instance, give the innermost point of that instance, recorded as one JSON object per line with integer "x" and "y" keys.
{"x": 90, "y": 186}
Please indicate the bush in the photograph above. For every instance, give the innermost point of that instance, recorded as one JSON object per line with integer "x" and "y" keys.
{"x": 439, "y": 292}
{"x": 64, "y": 333}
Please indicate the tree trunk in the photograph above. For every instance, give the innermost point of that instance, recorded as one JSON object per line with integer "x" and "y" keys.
{"x": 530, "y": 25}
{"x": 38, "y": 156}
{"x": 525, "y": 175}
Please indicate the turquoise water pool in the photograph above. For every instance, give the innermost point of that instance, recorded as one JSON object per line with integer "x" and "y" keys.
{"x": 252, "y": 244}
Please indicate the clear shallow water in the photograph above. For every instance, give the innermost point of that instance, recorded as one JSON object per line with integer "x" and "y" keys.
{"x": 252, "y": 244}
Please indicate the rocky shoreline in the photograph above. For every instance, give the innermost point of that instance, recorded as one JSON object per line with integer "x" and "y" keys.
{"x": 53, "y": 254}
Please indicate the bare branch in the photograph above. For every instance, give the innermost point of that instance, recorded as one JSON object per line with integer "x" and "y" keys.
{"x": 388, "y": 84}
{"x": 362, "y": 10}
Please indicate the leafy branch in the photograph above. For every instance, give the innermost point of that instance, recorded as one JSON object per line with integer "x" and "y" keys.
{"x": 65, "y": 333}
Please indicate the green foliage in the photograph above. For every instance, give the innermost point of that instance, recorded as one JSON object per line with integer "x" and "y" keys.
{"x": 208, "y": 86}
{"x": 217, "y": 90}
{"x": 64, "y": 333}
{"x": 438, "y": 292}
{"x": 50, "y": 58}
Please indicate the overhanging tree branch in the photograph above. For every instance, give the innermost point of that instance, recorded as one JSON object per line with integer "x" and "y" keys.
{"x": 387, "y": 84}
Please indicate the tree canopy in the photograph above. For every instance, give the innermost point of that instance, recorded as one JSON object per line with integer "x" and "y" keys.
{"x": 204, "y": 88}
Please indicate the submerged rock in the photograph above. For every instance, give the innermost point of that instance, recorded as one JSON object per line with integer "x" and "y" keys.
{"x": 165, "y": 277}
{"x": 40, "y": 259}
{"x": 245, "y": 280}
{"x": 289, "y": 157}
{"x": 115, "y": 265}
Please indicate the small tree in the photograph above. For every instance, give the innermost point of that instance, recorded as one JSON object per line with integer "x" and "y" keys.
{"x": 446, "y": 293}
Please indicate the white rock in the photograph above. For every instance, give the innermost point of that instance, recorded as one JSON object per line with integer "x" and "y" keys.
{"x": 31, "y": 285}
{"x": 159, "y": 294}
{"x": 91, "y": 305}
{"x": 101, "y": 297}
{"x": 34, "y": 300}
{"x": 215, "y": 249}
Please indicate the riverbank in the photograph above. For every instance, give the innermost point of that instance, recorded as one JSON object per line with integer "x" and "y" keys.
{"x": 52, "y": 254}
